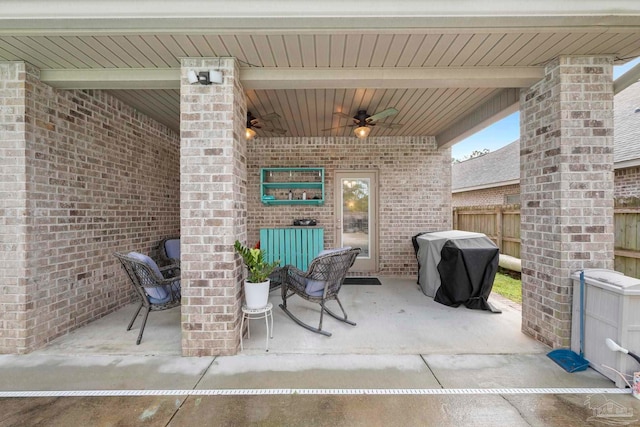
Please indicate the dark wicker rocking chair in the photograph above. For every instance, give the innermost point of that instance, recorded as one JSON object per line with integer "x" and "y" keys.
{"x": 158, "y": 288}
{"x": 319, "y": 284}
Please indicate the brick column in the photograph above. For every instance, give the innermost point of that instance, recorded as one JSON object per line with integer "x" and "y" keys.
{"x": 13, "y": 208}
{"x": 212, "y": 208}
{"x": 566, "y": 181}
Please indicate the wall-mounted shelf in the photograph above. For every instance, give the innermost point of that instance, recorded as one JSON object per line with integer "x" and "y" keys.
{"x": 276, "y": 183}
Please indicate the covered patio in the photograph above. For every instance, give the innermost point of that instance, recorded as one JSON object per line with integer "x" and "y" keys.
{"x": 109, "y": 146}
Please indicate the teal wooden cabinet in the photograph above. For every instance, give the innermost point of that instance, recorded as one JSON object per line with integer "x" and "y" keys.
{"x": 292, "y": 245}
{"x": 292, "y": 186}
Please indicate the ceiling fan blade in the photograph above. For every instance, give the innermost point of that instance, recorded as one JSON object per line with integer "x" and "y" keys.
{"x": 337, "y": 127}
{"x": 389, "y": 125}
{"x": 382, "y": 114}
{"x": 274, "y": 130}
{"x": 343, "y": 115}
{"x": 269, "y": 117}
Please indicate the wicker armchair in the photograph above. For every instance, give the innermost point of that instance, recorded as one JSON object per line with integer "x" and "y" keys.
{"x": 319, "y": 284}
{"x": 158, "y": 288}
{"x": 170, "y": 250}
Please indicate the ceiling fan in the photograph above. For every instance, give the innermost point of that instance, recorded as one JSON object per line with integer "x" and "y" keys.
{"x": 254, "y": 122}
{"x": 363, "y": 121}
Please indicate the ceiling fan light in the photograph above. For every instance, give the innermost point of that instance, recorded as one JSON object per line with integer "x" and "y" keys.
{"x": 249, "y": 134}
{"x": 362, "y": 131}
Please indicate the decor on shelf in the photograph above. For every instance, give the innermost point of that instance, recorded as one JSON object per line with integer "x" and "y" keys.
{"x": 292, "y": 186}
{"x": 256, "y": 286}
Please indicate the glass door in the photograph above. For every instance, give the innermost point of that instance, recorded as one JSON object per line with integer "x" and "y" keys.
{"x": 356, "y": 216}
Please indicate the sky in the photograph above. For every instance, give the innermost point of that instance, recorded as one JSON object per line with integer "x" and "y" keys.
{"x": 507, "y": 130}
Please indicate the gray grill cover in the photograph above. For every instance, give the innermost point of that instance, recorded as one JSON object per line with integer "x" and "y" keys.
{"x": 457, "y": 267}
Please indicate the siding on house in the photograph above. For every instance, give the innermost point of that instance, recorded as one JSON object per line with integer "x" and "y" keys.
{"x": 486, "y": 196}
{"x": 627, "y": 182}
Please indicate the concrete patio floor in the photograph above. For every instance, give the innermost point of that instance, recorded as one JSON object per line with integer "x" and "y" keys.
{"x": 395, "y": 318}
{"x": 409, "y": 361}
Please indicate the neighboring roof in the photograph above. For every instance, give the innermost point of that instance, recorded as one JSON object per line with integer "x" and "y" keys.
{"x": 626, "y": 125}
{"x": 502, "y": 167}
{"x": 498, "y": 168}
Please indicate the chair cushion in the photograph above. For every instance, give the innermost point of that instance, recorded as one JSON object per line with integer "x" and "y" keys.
{"x": 153, "y": 300}
{"x": 314, "y": 287}
{"x": 172, "y": 248}
{"x": 157, "y": 295}
{"x": 330, "y": 251}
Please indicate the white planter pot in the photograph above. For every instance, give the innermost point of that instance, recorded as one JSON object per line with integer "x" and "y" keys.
{"x": 256, "y": 294}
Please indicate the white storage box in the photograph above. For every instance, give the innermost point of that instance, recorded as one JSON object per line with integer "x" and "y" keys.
{"x": 611, "y": 310}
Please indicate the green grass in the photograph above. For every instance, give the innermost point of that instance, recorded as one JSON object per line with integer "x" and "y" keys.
{"x": 508, "y": 287}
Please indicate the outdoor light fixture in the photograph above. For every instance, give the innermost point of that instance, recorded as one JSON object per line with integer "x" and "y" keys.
{"x": 205, "y": 77}
{"x": 249, "y": 134}
{"x": 362, "y": 132}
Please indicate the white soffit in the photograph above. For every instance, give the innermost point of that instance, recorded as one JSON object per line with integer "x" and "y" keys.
{"x": 252, "y": 15}
{"x": 450, "y": 67}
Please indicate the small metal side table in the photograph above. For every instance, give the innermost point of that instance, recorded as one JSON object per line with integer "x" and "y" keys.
{"x": 265, "y": 313}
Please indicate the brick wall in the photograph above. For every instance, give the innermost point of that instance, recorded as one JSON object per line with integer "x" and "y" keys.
{"x": 566, "y": 178}
{"x": 627, "y": 182}
{"x": 485, "y": 196}
{"x": 414, "y": 190}
{"x": 101, "y": 178}
{"x": 13, "y": 208}
{"x": 213, "y": 208}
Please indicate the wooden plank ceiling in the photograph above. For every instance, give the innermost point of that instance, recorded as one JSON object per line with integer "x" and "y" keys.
{"x": 306, "y": 112}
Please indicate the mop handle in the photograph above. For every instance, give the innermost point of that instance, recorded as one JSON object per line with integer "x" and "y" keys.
{"x": 582, "y": 313}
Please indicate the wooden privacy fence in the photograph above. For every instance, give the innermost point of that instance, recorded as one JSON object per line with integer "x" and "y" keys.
{"x": 501, "y": 224}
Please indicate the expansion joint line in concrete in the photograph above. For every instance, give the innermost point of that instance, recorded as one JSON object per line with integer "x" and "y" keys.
{"x": 431, "y": 370}
{"x": 204, "y": 371}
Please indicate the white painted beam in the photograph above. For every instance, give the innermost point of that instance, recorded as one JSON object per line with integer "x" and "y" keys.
{"x": 389, "y": 78}
{"x": 298, "y": 78}
{"x": 120, "y": 78}
{"x": 627, "y": 79}
{"x": 496, "y": 108}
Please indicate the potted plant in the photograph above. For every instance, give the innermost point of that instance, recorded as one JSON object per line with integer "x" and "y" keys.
{"x": 256, "y": 286}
